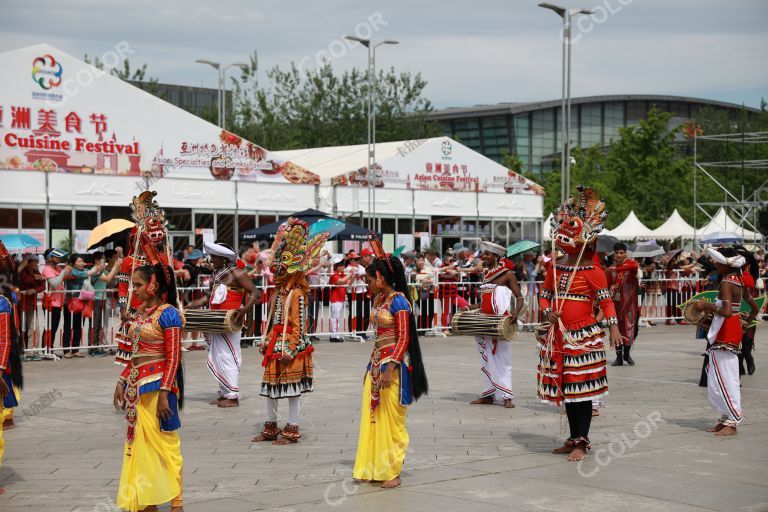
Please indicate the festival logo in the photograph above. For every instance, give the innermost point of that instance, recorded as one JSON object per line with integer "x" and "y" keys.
{"x": 46, "y": 72}
{"x": 447, "y": 148}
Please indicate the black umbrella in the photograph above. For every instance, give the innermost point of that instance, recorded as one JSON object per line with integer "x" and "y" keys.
{"x": 310, "y": 216}
{"x": 605, "y": 243}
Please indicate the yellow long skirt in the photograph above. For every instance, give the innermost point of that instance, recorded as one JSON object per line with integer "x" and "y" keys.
{"x": 152, "y": 464}
{"x": 383, "y": 442}
{"x": 8, "y": 413}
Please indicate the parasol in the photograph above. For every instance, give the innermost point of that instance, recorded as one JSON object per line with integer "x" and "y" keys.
{"x": 521, "y": 246}
{"x": 605, "y": 243}
{"x": 722, "y": 237}
{"x": 110, "y": 231}
{"x": 647, "y": 251}
{"x": 19, "y": 241}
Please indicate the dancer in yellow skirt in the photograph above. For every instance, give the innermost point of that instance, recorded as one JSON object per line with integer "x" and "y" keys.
{"x": 151, "y": 392}
{"x": 395, "y": 376}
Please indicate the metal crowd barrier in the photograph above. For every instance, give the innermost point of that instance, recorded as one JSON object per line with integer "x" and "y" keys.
{"x": 434, "y": 306}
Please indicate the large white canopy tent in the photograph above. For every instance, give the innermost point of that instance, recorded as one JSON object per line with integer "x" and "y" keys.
{"x": 722, "y": 222}
{"x": 674, "y": 227}
{"x": 631, "y": 229}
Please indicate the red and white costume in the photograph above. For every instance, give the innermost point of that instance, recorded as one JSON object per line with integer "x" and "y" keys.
{"x": 496, "y": 354}
{"x": 724, "y": 338}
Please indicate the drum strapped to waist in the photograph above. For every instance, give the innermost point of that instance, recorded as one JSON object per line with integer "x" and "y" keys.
{"x": 213, "y": 321}
{"x": 703, "y": 319}
{"x": 480, "y": 324}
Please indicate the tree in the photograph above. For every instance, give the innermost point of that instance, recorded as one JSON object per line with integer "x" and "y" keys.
{"x": 137, "y": 76}
{"x": 318, "y": 107}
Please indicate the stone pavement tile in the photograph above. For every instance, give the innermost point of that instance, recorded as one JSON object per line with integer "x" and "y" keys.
{"x": 520, "y": 490}
{"x": 673, "y": 486}
{"x": 222, "y": 505}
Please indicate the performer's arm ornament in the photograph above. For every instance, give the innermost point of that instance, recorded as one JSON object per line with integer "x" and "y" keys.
{"x": 171, "y": 322}
{"x": 5, "y": 334}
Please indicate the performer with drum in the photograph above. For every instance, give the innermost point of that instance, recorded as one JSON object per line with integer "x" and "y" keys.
{"x": 231, "y": 289}
{"x": 498, "y": 286}
{"x": 622, "y": 281}
{"x": 724, "y": 339}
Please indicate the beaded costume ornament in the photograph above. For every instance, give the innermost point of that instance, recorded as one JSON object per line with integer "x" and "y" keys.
{"x": 291, "y": 251}
{"x": 578, "y": 222}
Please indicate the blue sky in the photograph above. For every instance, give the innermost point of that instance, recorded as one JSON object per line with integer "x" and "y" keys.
{"x": 481, "y": 52}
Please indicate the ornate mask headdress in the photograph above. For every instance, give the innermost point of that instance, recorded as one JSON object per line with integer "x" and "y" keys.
{"x": 578, "y": 222}
{"x": 149, "y": 217}
{"x": 292, "y": 252}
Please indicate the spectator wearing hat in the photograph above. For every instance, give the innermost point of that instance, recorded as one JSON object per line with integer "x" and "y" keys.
{"x": 31, "y": 283}
{"x": 338, "y": 282}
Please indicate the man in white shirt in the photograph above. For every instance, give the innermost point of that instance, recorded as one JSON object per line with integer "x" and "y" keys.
{"x": 357, "y": 293}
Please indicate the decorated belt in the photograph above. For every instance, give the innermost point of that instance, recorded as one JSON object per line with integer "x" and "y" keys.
{"x": 277, "y": 331}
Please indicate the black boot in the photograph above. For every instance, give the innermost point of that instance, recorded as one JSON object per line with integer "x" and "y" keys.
{"x": 619, "y": 360}
{"x": 627, "y": 357}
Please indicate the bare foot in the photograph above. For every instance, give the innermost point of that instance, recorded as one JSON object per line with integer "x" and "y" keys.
{"x": 9, "y": 424}
{"x": 229, "y": 402}
{"x": 151, "y": 508}
{"x": 216, "y": 401}
{"x": 482, "y": 400}
{"x": 564, "y": 450}
{"x": 177, "y": 509}
{"x": 577, "y": 454}
{"x": 508, "y": 404}
{"x": 359, "y": 481}
{"x": 716, "y": 428}
{"x": 595, "y": 412}
{"x": 2, "y": 490}
{"x": 726, "y": 431}
{"x": 391, "y": 484}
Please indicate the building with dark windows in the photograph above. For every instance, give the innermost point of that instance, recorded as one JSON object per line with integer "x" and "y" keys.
{"x": 198, "y": 100}
{"x": 532, "y": 130}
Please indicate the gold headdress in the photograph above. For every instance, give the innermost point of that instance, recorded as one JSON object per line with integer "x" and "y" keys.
{"x": 291, "y": 251}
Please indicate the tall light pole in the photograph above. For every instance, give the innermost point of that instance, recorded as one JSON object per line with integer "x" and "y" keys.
{"x": 565, "y": 109}
{"x": 222, "y": 99}
{"x": 371, "y": 122}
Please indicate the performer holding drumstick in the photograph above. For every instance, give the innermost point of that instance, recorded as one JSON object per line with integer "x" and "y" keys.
{"x": 499, "y": 285}
{"x": 231, "y": 289}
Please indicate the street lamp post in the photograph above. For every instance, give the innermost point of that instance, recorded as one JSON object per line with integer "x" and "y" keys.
{"x": 222, "y": 89}
{"x": 371, "y": 123}
{"x": 565, "y": 109}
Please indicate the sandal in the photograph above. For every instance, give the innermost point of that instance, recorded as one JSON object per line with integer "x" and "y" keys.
{"x": 290, "y": 434}
{"x": 268, "y": 433}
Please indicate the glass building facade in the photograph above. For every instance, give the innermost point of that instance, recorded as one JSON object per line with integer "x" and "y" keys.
{"x": 532, "y": 130}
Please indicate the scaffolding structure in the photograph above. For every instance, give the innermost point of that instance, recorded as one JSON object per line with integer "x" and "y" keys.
{"x": 740, "y": 201}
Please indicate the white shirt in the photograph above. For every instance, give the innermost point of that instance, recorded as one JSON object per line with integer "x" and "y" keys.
{"x": 358, "y": 283}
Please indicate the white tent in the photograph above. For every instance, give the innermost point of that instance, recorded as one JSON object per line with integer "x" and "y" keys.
{"x": 632, "y": 229}
{"x": 674, "y": 227}
{"x": 437, "y": 176}
{"x": 723, "y": 222}
{"x": 545, "y": 228}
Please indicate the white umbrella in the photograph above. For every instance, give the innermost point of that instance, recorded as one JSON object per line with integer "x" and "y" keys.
{"x": 722, "y": 237}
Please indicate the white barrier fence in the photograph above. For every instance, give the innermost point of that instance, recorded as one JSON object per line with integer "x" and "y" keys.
{"x": 47, "y": 330}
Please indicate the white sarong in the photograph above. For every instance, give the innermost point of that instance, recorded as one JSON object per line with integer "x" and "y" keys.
{"x": 497, "y": 354}
{"x": 723, "y": 385}
{"x": 224, "y": 360}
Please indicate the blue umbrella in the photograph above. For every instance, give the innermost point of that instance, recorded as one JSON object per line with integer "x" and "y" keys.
{"x": 521, "y": 246}
{"x": 19, "y": 241}
{"x": 331, "y": 226}
{"x": 721, "y": 237}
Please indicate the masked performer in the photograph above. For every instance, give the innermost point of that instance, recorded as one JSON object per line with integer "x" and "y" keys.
{"x": 288, "y": 349}
{"x": 151, "y": 390}
{"x": 10, "y": 348}
{"x": 148, "y": 236}
{"x": 395, "y": 375}
{"x": 724, "y": 338}
{"x": 229, "y": 288}
{"x": 572, "y": 367}
{"x": 622, "y": 282}
{"x": 496, "y": 292}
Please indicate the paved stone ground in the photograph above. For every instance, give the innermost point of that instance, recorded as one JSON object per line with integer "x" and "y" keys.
{"x": 67, "y": 457}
